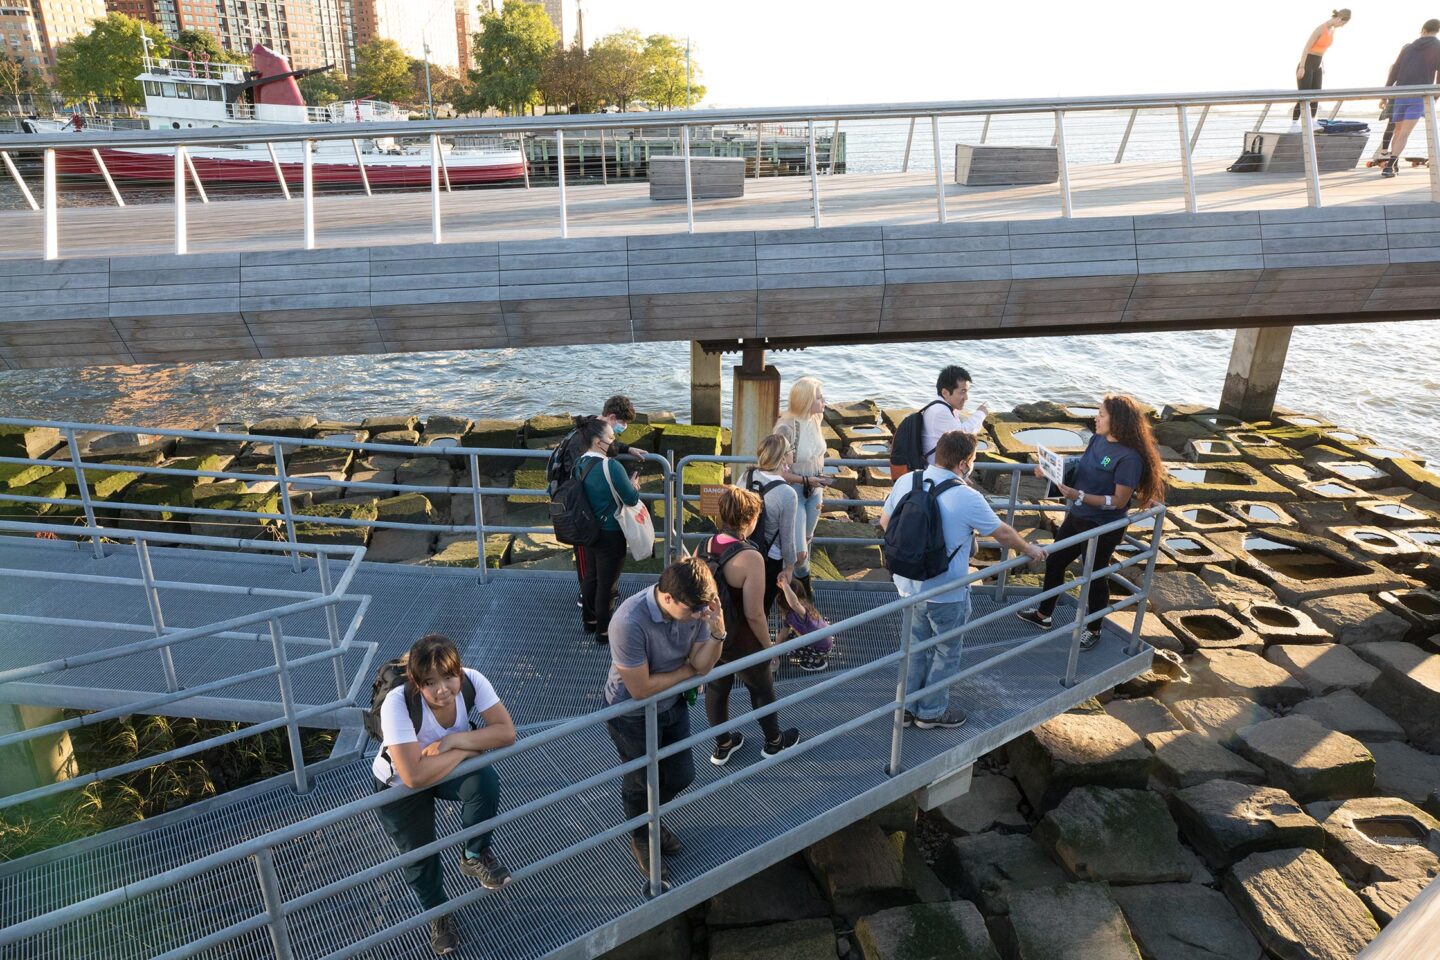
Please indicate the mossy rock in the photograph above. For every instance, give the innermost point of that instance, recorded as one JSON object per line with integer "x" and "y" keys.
{"x": 641, "y": 436}
{"x": 495, "y": 434}
{"x": 702, "y": 474}
{"x": 48, "y": 487}
{"x": 688, "y": 440}
{"x": 406, "y": 508}
{"x": 536, "y": 546}
{"x": 28, "y": 442}
{"x": 244, "y": 502}
{"x": 560, "y": 561}
{"x": 822, "y": 567}
{"x": 220, "y": 488}
{"x": 159, "y": 494}
{"x": 892, "y": 416}
{"x": 444, "y": 423}
{"x": 329, "y": 533}
{"x": 654, "y": 417}
{"x": 285, "y": 427}
{"x": 1298, "y": 438}
{"x": 398, "y": 438}
{"x": 548, "y": 425}
{"x": 1416, "y": 477}
{"x": 1223, "y": 482}
{"x": 529, "y": 478}
{"x": 462, "y": 552}
{"x": 19, "y": 475}
{"x": 860, "y": 556}
{"x": 1176, "y": 433}
{"x": 103, "y": 484}
{"x": 857, "y": 411}
{"x": 209, "y": 463}
{"x": 389, "y": 423}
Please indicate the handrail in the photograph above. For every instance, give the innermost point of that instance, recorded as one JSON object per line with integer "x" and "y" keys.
{"x": 260, "y": 847}
{"x": 290, "y": 133}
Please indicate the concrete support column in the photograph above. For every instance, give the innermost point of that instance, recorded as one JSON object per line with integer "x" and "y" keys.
{"x": 34, "y": 763}
{"x": 1256, "y": 363}
{"x": 756, "y": 402}
{"x": 704, "y": 386}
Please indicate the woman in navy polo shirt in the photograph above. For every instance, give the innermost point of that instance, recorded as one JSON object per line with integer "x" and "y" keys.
{"x": 1120, "y": 464}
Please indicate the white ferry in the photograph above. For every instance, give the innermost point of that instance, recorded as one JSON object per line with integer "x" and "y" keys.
{"x": 181, "y": 94}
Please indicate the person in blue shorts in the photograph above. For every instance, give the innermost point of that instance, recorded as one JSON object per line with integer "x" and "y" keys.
{"x": 1417, "y": 65}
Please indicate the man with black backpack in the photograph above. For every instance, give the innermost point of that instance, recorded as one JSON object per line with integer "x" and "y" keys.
{"x": 930, "y": 521}
{"x": 917, "y": 436}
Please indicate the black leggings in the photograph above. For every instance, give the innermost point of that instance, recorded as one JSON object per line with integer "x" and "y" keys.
{"x": 1309, "y": 80}
{"x": 1056, "y": 563}
{"x": 602, "y": 561}
{"x": 761, "y": 684}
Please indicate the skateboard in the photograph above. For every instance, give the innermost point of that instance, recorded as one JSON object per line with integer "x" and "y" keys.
{"x": 1413, "y": 161}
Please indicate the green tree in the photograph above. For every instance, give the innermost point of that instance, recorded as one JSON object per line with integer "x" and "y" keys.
{"x": 322, "y": 88}
{"x": 568, "y": 79}
{"x": 664, "y": 85}
{"x": 382, "y": 71}
{"x": 205, "y": 46}
{"x": 511, "y": 49}
{"x": 444, "y": 85}
{"x": 105, "y": 61}
{"x": 618, "y": 64}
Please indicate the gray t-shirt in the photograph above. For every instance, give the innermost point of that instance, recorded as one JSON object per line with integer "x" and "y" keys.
{"x": 640, "y": 634}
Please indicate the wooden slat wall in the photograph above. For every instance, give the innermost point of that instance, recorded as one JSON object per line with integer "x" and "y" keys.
{"x": 960, "y": 279}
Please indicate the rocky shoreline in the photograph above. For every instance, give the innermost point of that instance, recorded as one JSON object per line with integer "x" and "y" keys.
{"x": 1270, "y": 788}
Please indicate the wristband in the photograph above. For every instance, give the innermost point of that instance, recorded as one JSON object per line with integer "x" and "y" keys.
{"x": 718, "y": 636}
{"x": 1109, "y": 500}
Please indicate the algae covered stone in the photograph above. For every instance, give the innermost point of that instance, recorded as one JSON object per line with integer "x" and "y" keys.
{"x": 686, "y": 440}
{"x": 319, "y": 530}
{"x": 1076, "y": 749}
{"x": 991, "y": 868}
{"x": 926, "y": 931}
{"x": 1122, "y": 836}
{"x": 1076, "y": 921}
{"x": 1226, "y": 821}
{"x": 1185, "y": 758}
{"x": 1185, "y": 921}
{"x": 793, "y": 940}
{"x": 1311, "y": 761}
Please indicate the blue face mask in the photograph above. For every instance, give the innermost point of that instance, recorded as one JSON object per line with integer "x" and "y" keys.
{"x": 620, "y": 427}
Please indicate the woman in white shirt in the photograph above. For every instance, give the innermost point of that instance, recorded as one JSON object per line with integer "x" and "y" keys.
{"x": 776, "y": 537}
{"x": 800, "y": 425}
{"x": 427, "y": 734}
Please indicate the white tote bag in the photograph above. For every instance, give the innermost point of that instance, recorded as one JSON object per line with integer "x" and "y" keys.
{"x": 634, "y": 522}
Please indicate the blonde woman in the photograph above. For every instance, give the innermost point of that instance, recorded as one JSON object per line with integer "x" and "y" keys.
{"x": 800, "y": 426}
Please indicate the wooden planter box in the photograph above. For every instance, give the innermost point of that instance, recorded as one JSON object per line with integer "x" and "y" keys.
{"x": 1285, "y": 152}
{"x": 979, "y": 165}
{"x": 710, "y": 177}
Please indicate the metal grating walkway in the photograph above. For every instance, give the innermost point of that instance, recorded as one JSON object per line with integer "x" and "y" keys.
{"x": 523, "y": 632}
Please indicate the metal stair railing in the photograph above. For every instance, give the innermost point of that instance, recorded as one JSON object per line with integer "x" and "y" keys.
{"x": 276, "y": 910}
{"x": 334, "y": 647}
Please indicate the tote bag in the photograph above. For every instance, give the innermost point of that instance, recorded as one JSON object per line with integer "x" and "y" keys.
{"x": 634, "y": 522}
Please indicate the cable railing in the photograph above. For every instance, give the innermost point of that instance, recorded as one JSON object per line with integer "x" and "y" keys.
{"x": 1062, "y": 138}
{"x": 277, "y": 909}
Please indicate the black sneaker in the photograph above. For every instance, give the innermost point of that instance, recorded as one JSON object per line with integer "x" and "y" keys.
{"x": 952, "y": 718}
{"x": 1089, "y": 639}
{"x": 909, "y": 720}
{"x": 640, "y": 850}
{"x": 787, "y": 740}
{"x": 724, "y": 748}
{"x": 444, "y": 935}
{"x": 486, "y": 868}
{"x": 603, "y": 637}
{"x": 1390, "y": 167}
{"x": 589, "y": 626}
{"x": 810, "y": 661}
{"x": 669, "y": 843}
{"x": 1033, "y": 615}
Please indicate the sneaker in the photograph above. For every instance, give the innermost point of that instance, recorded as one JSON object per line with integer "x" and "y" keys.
{"x": 444, "y": 935}
{"x": 603, "y": 637}
{"x": 909, "y": 720}
{"x": 589, "y": 626}
{"x": 1033, "y": 615}
{"x": 1390, "y": 167}
{"x": 1089, "y": 639}
{"x": 954, "y": 717}
{"x": 640, "y": 850}
{"x": 787, "y": 740}
{"x": 724, "y": 748}
{"x": 810, "y": 661}
{"x": 486, "y": 868}
{"x": 669, "y": 843}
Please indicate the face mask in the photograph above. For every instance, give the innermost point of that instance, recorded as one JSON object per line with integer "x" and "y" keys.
{"x": 620, "y": 426}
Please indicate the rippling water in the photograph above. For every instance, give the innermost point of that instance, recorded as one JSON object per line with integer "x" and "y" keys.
{"x": 1380, "y": 379}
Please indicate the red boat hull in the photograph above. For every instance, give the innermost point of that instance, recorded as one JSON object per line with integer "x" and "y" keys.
{"x": 160, "y": 167}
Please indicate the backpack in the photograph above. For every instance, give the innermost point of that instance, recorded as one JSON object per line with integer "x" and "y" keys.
{"x": 729, "y": 601}
{"x": 915, "y": 535}
{"x": 561, "y": 465}
{"x": 1249, "y": 161}
{"x": 758, "y": 536}
{"x": 907, "y": 447}
{"x": 571, "y": 513}
{"x": 392, "y": 675}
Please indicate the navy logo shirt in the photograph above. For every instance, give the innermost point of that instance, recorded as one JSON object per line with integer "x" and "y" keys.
{"x": 1104, "y": 466}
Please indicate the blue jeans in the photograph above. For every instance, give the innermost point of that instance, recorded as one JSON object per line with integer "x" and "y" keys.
{"x": 940, "y": 661}
{"x": 807, "y": 514}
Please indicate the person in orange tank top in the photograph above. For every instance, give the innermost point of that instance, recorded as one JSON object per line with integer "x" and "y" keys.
{"x": 1308, "y": 72}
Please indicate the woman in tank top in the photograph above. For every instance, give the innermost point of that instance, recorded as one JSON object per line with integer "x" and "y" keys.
{"x": 1308, "y": 72}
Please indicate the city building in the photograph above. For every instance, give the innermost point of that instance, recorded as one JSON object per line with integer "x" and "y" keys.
{"x": 309, "y": 33}
{"x": 565, "y": 16}
{"x": 59, "y": 21}
{"x": 413, "y": 24}
{"x": 20, "y": 37}
{"x": 465, "y": 18}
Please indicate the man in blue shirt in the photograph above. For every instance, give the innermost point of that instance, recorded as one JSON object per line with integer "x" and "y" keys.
{"x": 963, "y": 514}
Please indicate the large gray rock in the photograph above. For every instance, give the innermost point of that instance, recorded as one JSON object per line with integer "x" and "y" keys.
{"x": 1345, "y": 712}
{"x": 1144, "y": 715}
{"x": 785, "y": 891}
{"x": 1402, "y": 771}
{"x": 1239, "y": 673}
{"x": 1408, "y": 689}
{"x": 1310, "y": 761}
{"x": 795, "y": 940}
{"x": 1180, "y": 590}
{"x": 1227, "y": 821}
{"x": 1371, "y": 839}
{"x": 1323, "y": 667}
{"x": 926, "y": 931}
{"x": 669, "y": 941}
{"x": 1185, "y": 921}
{"x": 992, "y": 801}
{"x": 1220, "y": 718}
{"x": 1122, "y": 836}
{"x": 1298, "y": 906}
{"x": 1355, "y": 618}
{"x": 1077, "y": 921}
{"x": 1232, "y": 590}
{"x": 1185, "y": 758}
{"x": 1388, "y": 898}
{"x": 860, "y": 870}
{"x": 1075, "y": 749}
{"x": 989, "y": 868}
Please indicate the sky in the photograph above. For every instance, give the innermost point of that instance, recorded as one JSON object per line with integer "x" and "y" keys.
{"x": 793, "y": 53}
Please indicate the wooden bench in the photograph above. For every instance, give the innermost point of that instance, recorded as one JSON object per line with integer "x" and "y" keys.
{"x": 978, "y": 165}
{"x": 710, "y": 177}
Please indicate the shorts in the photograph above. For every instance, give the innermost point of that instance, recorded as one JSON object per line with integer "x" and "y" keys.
{"x": 1407, "y": 108}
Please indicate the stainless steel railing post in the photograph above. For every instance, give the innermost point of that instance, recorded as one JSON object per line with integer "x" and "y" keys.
{"x": 1067, "y": 208}
{"x": 909, "y": 139}
{"x": 1002, "y": 580}
{"x": 1312, "y": 167}
{"x": 985, "y": 128}
{"x": 279, "y": 173}
{"x": 1200, "y": 125}
{"x": 604, "y": 166}
{"x": 1082, "y": 603}
{"x": 307, "y": 190}
{"x": 834, "y": 141}
{"x": 525, "y": 161}
{"x": 477, "y": 506}
{"x": 434, "y": 188}
{"x": 278, "y": 449}
{"x": 1265, "y": 112}
{"x": 1146, "y": 584}
{"x": 902, "y": 680}
{"x": 652, "y": 793}
{"x": 85, "y": 502}
{"x": 940, "y": 212}
{"x": 287, "y": 702}
{"x": 1125, "y": 140}
{"x": 360, "y": 165}
{"x": 277, "y": 924}
{"x": 1187, "y": 162}
{"x": 689, "y": 186}
{"x": 1432, "y": 140}
{"x": 181, "y": 228}
{"x": 814, "y": 175}
{"x": 157, "y": 616}
{"x": 19, "y": 180}
{"x": 52, "y": 208}
{"x": 560, "y": 173}
{"x": 195, "y": 178}
{"x": 109, "y": 180}
{"x": 332, "y": 620}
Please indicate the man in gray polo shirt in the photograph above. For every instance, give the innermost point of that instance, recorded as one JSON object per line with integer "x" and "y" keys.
{"x": 659, "y": 639}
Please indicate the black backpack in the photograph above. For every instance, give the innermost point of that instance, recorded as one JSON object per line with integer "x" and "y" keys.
{"x": 915, "y": 536}
{"x": 729, "y": 602}
{"x": 758, "y": 536}
{"x": 392, "y": 675}
{"x": 907, "y": 449}
{"x": 561, "y": 465}
{"x": 571, "y": 513}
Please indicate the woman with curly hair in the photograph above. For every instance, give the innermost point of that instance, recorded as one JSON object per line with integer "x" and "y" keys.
{"x": 1120, "y": 465}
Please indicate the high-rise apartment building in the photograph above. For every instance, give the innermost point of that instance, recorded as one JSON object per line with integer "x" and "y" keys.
{"x": 20, "y": 37}
{"x": 464, "y": 26}
{"x": 309, "y": 33}
{"x": 60, "y": 21}
{"x": 565, "y": 16}
{"x": 413, "y": 24}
